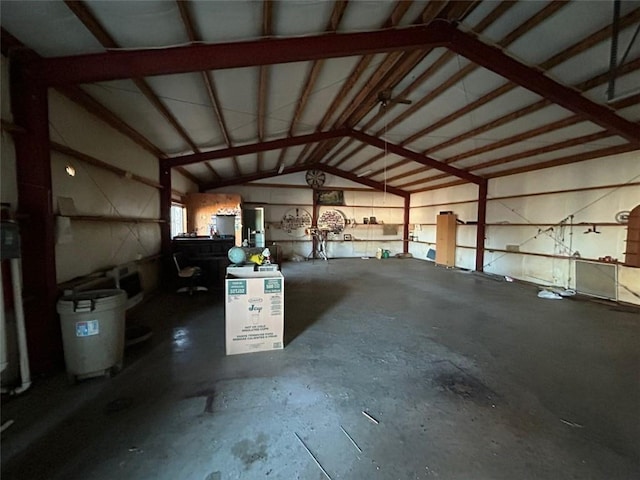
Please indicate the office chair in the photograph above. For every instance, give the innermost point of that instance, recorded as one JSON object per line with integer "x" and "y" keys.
{"x": 190, "y": 274}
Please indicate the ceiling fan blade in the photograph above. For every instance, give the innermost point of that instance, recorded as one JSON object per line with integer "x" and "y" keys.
{"x": 401, "y": 100}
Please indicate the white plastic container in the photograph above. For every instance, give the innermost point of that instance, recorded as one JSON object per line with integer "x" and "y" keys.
{"x": 93, "y": 332}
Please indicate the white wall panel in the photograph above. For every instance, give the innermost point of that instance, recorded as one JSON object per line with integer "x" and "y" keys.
{"x": 533, "y": 223}
{"x": 94, "y": 245}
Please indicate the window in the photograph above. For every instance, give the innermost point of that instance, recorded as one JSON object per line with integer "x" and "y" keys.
{"x": 178, "y": 219}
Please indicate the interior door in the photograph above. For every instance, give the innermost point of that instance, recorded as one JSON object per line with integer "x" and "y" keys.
{"x": 253, "y": 229}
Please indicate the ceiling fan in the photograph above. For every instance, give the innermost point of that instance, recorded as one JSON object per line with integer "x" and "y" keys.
{"x": 386, "y": 98}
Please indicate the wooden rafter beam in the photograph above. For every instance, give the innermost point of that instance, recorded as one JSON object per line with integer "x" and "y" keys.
{"x": 187, "y": 21}
{"x": 582, "y": 140}
{"x": 90, "y": 104}
{"x": 585, "y": 85}
{"x": 92, "y": 24}
{"x": 339, "y": 8}
{"x": 483, "y": 24}
{"x": 393, "y": 68}
{"x": 185, "y": 14}
{"x": 88, "y": 159}
{"x": 535, "y": 80}
{"x": 453, "y": 183}
{"x": 572, "y": 142}
{"x": 575, "y": 49}
{"x": 187, "y": 174}
{"x": 263, "y": 81}
{"x": 579, "y": 157}
{"x": 572, "y": 120}
{"x": 549, "y": 127}
{"x": 399, "y": 10}
{"x": 486, "y": 22}
{"x": 180, "y": 59}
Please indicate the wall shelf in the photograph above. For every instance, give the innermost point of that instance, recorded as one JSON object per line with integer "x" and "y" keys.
{"x": 580, "y": 224}
{"x": 111, "y": 219}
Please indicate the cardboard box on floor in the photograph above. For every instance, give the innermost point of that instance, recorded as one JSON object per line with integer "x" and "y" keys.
{"x": 254, "y": 312}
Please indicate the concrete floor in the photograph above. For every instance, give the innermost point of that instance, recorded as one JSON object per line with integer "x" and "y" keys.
{"x": 469, "y": 378}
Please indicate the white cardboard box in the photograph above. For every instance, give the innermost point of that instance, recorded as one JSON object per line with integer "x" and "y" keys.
{"x": 254, "y": 312}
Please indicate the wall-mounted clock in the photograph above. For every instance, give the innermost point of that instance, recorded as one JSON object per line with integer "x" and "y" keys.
{"x": 315, "y": 178}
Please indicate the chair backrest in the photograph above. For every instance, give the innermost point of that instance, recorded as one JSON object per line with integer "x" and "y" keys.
{"x": 177, "y": 258}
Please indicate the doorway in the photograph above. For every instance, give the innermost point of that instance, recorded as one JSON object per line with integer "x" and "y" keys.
{"x": 253, "y": 229}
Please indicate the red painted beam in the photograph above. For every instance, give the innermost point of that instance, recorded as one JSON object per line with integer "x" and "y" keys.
{"x": 301, "y": 168}
{"x": 164, "y": 175}
{"x": 494, "y": 59}
{"x": 415, "y": 156}
{"x": 142, "y": 63}
{"x": 251, "y": 178}
{"x": 8, "y": 41}
{"x": 405, "y": 226}
{"x": 361, "y": 180}
{"x": 167, "y": 266}
{"x": 30, "y": 107}
{"x": 481, "y": 226}
{"x": 253, "y": 148}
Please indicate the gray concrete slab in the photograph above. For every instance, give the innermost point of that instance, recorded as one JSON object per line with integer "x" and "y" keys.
{"x": 468, "y": 378}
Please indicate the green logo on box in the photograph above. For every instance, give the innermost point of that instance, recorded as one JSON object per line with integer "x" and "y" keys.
{"x": 272, "y": 285}
{"x": 237, "y": 287}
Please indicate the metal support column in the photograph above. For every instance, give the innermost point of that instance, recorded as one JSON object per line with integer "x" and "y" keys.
{"x": 405, "y": 228}
{"x": 29, "y": 103}
{"x": 164, "y": 178}
{"x": 167, "y": 268}
{"x": 482, "y": 220}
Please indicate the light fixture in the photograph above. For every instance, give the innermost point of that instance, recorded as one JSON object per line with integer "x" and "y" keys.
{"x": 366, "y": 172}
{"x": 281, "y": 168}
{"x": 70, "y": 171}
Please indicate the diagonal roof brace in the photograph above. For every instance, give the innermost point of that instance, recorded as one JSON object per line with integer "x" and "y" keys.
{"x": 313, "y": 138}
{"x": 253, "y": 148}
{"x": 121, "y": 64}
{"x": 364, "y": 181}
{"x": 415, "y": 156}
{"x": 300, "y": 168}
{"x": 228, "y": 182}
{"x": 494, "y": 59}
{"x": 163, "y": 61}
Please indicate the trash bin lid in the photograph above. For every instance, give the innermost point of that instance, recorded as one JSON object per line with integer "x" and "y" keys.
{"x": 104, "y": 299}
